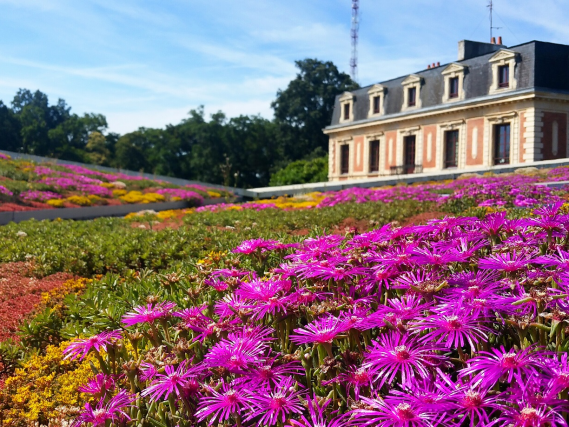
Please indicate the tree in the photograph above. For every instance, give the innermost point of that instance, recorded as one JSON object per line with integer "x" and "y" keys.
{"x": 10, "y": 128}
{"x": 97, "y": 150}
{"x": 302, "y": 171}
{"x": 305, "y": 107}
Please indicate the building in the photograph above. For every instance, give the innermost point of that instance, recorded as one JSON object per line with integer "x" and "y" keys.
{"x": 496, "y": 105}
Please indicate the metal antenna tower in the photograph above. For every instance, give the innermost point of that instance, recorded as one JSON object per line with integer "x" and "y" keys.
{"x": 354, "y": 36}
{"x": 491, "y": 7}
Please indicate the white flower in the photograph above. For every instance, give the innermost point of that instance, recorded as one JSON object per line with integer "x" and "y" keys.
{"x": 21, "y": 234}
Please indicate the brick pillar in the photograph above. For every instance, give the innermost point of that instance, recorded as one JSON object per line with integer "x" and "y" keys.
{"x": 533, "y": 125}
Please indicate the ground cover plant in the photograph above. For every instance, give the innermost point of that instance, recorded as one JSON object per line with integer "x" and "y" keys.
{"x": 283, "y": 309}
{"x": 461, "y": 321}
{"x": 27, "y": 186}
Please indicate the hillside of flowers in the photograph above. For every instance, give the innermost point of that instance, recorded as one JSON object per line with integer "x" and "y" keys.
{"x": 29, "y": 186}
{"x": 351, "y": 308}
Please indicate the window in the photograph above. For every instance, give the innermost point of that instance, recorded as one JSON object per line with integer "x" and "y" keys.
{"x": 346, "y": 111}
{"x": 374, "y": 156}
{"x": 376, "y": 105}
{"x": 345, "y": 159}
{"x": 502, "y": 144}
{"x": 412, "y": 96}
{"x": 451, "y": 149}
{"x": 453, "y": 87}
{"x": 409, "y": 154}
{"x": 504, "y": 76}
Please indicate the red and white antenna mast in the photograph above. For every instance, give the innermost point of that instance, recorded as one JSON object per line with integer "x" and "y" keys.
{"x": 354, "y": 35}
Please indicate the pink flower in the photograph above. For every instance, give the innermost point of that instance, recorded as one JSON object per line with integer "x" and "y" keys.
{"x": 148, "y": 313}
{"x": 80, "y": 348}
{"x": 172, "y": 382}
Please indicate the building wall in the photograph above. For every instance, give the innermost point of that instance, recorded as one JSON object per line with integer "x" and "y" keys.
{"x": 429, "y": 146}
{"x": 475, "y": 141}
{"x": 532, "y": 130}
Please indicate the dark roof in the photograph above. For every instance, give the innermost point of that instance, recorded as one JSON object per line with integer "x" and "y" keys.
{"x": 540, "y": 64}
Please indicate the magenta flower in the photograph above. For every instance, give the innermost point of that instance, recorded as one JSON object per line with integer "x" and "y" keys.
{"x": 394, "y": 354}
{"x": 239, "y": 350}
{"x": 171, "y": 382}
{"x": 318, "y": 417}
{"x": 230, "y": 400}
{"x": 501, "y": 364}
{"x": 148, "y": 313}
{"x": 101, "y": 384}
{"x": 80, "y": 348}
{"x": 268, "y": 372}
{"x": 507, "y": 262}
{"x": 322, "y": 330}
{"x": 453, "y": 327}
{"x": 114, "y": 410}
{"x": 387, "y": 413}
{"x": 276, "y": 405}
{"x": 249, "y": 246}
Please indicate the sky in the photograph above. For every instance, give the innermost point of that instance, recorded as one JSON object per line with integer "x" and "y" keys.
{"x": 147, "y": 63}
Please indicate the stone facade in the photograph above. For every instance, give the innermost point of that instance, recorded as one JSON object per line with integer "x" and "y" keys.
{"x": 505, "y": 106}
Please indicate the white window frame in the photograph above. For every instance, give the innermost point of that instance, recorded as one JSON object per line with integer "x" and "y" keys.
{"x": 499, "y": 59}
{"x": 450, "y": 72}
{"x": 347, "y": 98}
{"x": 376, "y": 90}
{"x": 511, "y": 117}
{"x": 412, "y": 81}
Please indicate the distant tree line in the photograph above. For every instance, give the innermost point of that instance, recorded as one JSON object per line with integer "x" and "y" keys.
{"x": 244, "y": 151}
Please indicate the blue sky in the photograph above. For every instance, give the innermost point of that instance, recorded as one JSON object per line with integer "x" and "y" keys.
{"x": 147, "y": 63}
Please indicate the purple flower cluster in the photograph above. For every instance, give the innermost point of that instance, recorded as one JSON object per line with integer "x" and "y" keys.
{"x": 5, "y": 191}
{"x": 40, "y": 196}
{"x": 182, "y": 194}
{"x": 458, "y": 322}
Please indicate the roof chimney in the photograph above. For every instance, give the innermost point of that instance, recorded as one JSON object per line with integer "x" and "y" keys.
{"x": 429, "y": 67}
{"x": 469, "y": 49}
{"x": 438, "y": 64}
{"x": 433, "y": 66}
{"x": 500, "y": 40}
{"x": 493, "y": 41}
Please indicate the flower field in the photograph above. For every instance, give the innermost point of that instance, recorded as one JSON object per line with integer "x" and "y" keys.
{"x": 350, "y": 308}
{"x": 28, "y": 186}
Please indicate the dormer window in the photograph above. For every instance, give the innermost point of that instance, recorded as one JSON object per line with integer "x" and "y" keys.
{"x": 411, "y": 92}
{"x": 504, "y": 76}
{"x": 346, "y": 107}
{"x": 411, "y": 96}
{"x": 346, "y": 111}
{"x": 454, "y": 82}
{"x": 453, "y": 87}
{"x": 376, "y": 96}
{"x": 503, "y": 71}
{"x": 375, "y": 104}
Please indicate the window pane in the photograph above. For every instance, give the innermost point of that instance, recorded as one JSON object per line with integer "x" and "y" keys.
{"x": 502, "y": 145}
{"x": 504, "y": 76}
{"x": 374, "y": 156}
{"x": 409, "y": 155}
{"x": 412, "y": 96}
{"x": 451, "y": 149}
{"x": 345, "y": 159}
{"x": 453, "y": 90}
{"x": 346, "y": 111}
{"x": 375, "y": 104}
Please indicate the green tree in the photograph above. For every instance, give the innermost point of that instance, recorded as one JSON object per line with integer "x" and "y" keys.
{"x": 305, "y": 107}
{"x": 10, "y": 128}
{"x": 301, "y": 172}
{"x": 97, "y": 150}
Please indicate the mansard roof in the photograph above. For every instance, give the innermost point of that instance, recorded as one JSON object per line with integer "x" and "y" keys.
{"x": 540, "y": 65}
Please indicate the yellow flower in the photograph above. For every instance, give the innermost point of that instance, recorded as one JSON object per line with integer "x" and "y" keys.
{"x": 46, "y": 389}
{"x": 79, "y": 200}
{"x": 56, "y": 203}
{"x": 119, "y": 193}
{"x": 214, "y": 194}
{"x": 138, "y": 197}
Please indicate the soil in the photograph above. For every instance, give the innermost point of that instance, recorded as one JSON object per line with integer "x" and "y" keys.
{"x": 173, "y": 223}
{"x": 351, "y": 225}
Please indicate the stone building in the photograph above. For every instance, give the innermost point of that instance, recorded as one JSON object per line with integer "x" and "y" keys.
{"x": 496, "y": 105}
